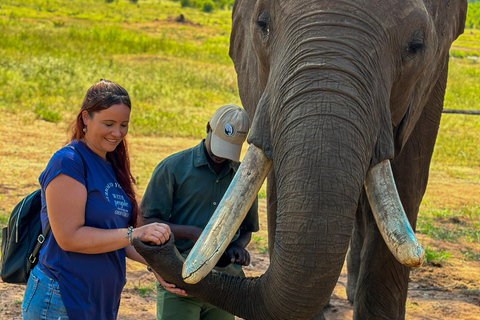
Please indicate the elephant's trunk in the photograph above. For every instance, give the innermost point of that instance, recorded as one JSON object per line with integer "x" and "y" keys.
{"x": 245, "y": 297}
{"x": 317, "y": 195}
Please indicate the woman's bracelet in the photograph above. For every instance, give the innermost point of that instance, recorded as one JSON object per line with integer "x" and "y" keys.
{"x": 129, "y": 234}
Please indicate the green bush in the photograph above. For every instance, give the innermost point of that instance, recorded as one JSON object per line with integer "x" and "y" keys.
{"x": 208, "y": 6}
{"x": 46, "y": 114}
{"x": 186, "y": 3}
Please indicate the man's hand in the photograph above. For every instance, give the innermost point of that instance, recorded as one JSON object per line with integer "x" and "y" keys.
{"x": 169, "y": 286}
{"x": 238, "y": 254}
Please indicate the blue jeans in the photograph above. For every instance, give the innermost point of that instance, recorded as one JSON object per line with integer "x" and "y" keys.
{"x": 42, "y": 298}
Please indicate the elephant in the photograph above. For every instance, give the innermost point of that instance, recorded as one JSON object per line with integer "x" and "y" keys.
{"x": 345, "y": 99}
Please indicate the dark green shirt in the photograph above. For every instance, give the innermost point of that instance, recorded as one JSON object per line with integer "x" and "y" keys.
{"x": 185, "y": 190}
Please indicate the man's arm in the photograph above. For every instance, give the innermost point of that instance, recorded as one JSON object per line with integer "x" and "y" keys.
{"x": 181, "y": 232}
{"x": 157, "y": 203}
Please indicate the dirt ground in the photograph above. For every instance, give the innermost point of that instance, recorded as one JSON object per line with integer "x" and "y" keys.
{"x": 446, "y": 290}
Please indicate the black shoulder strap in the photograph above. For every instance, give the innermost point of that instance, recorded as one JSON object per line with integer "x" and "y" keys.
{"x": 41, "y": 237}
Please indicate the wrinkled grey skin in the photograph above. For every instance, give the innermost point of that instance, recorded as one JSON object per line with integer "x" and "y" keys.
{"x": 333, "y": 87}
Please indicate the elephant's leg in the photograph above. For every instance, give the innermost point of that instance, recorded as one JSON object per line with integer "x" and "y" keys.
{"x": 353, "y": 255}
{"x": 382, "y": 281}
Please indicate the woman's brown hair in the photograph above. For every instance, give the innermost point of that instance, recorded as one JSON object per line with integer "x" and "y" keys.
{"x": 101, "y": 96}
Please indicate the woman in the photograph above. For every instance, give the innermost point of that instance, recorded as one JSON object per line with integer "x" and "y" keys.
{"x": 88, "y": 197}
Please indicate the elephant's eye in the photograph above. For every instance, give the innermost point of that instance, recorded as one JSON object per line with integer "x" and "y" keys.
{"x": 416, "y": 43}
{"x": 263, "y": 23}
{"x": 415, "y": 46}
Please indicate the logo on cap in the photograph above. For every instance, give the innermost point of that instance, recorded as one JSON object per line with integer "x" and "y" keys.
{"x": 229, "y": 131}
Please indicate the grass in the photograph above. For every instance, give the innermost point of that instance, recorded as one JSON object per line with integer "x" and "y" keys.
{"x": 260, "y": 243}
{"x": 473, "y": 292}
{"x": 53, "y": 50}
{"x": 468, "y": 232}
{"x": 145, "y": 290}
{"x": 454, "y": 225}
{"x": 471, "y": 255}
{"x": 177, "y": 74}
{"x": 436, "y": 256}
{"x": 468, "y": 41}
{"x": 4, "y": 216}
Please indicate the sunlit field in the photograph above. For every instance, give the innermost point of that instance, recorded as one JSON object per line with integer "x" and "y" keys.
{"x": 177, "y": 74}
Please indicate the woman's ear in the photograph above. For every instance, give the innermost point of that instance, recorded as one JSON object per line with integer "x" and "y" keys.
{"x": 85, "y": 117}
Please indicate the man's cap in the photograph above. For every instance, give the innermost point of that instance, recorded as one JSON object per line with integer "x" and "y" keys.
{"x": 230, "y": 127}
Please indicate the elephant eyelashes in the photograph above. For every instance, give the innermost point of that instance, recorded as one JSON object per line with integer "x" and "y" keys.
{"x": 415, "y": 46}
{"x": 263, "y": 23}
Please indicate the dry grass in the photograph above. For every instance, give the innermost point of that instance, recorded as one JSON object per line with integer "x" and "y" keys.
{"x": 446, "y": 290}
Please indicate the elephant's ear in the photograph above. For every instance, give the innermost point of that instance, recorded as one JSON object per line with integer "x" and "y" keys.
{"x": 243, "y": 55}
{"x": 449, "y": 22}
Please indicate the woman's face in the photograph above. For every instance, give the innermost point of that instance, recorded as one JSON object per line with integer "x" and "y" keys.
{"x": 106, "y": 128}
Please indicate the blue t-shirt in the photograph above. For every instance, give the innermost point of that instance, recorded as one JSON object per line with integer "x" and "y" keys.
{"x": 90, "y": 284}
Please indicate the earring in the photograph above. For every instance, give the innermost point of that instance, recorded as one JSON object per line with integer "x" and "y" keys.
{"x": 84, "y": 129}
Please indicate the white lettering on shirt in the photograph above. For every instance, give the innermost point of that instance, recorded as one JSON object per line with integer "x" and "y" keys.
{"x": 118, "y": 199}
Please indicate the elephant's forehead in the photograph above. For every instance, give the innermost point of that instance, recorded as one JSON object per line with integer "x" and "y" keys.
{"x": 402, "y": 10}
{"x": 390, "y": 11}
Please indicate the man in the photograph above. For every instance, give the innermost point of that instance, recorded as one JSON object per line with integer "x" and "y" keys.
{"x": 184, "y": 191}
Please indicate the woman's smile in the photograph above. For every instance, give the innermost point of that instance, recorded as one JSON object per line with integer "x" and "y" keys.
{"x": 106, "y": 129}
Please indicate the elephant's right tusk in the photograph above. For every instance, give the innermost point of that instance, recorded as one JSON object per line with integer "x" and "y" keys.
{"x": 390, "y": 216}
{"x": 228, "y": 217}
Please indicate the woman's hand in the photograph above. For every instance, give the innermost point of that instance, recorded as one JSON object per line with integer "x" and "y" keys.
{"x": 155, "y": 232}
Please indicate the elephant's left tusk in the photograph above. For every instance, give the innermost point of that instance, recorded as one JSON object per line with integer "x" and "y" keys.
{"x": 228, "y": 217}
{"x": 390, "y": 216}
